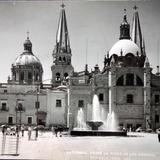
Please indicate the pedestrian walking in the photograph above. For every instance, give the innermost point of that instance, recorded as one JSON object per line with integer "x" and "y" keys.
{"x": 52, "y": 130}
{"x": 8, "y": 131}
{"x": 3, "y": 130}
{"x": 22, "y": 130}
{"x": 158, "y": 131}
{"x": 17, "y": 130}
{"x": 56, "y": 130}
{"x": 29, "y": 133}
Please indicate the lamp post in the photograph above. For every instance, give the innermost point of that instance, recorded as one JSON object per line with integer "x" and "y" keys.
{"x": 37, "y": 106}
{"x": 16, "y": 108}
{"x": 68, "y": 109}
{"x": 19, "y": 108}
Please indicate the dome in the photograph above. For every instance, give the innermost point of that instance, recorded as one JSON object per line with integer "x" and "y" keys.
{"x": 125, "y": 46}
{"x": 26, "y": 59}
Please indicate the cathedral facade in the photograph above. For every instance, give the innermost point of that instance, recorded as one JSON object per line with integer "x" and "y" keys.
{"x": 125, "y": 85}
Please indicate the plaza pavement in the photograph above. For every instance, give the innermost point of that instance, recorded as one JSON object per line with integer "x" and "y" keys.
{"x": 136, "y": 146}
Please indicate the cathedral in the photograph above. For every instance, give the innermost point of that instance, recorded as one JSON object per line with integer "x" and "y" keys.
{"x": 126, "y": 84}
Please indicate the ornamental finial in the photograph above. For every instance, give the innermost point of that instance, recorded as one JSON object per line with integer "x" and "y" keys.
{"x": 135, "y": 7}
{"x": 62, "y": 5}
{"x": 27, "y": 34}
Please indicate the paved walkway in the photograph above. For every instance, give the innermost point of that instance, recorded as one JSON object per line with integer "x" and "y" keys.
{"x": 137, "y": 146}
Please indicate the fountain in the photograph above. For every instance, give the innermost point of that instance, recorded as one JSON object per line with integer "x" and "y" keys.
{"x": 81, "y": 124}
{"x": 108, "y": 127}
{"x": 96, "y": 121}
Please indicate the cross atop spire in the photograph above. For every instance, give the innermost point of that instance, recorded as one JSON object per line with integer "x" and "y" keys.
{"x": 27, "y": 34}
{"x": 135, "y": 7}
{"x": 62, "y": 5}
{"x": 62, "y": 38}
{"x": 125, "y": 16}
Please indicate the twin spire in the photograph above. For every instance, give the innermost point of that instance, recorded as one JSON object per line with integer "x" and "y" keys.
{"x": 62, "y": 37}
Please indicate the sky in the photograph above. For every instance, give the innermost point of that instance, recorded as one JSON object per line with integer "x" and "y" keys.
{"x": 93, "y": 27}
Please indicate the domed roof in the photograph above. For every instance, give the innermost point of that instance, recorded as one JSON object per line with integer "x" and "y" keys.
{"x": 26, "y": 59}
{"x": 124, "y": 47}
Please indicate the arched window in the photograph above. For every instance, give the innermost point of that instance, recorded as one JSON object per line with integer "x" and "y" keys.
{"x": 60, "y": 59}
{"x": 37, "y": 77}
{"x": 130, "y": 59}
{"x": 22, "y": 76}
{"x": 14, "y": 76}
{"x": 139, "y": 82}
{"x": 64, "y": 59}
{"x": 58, "y": 76}
{"x": 120, "y": 81}
{"x": 29, "y": 75}
{"x": 65, "y": 75}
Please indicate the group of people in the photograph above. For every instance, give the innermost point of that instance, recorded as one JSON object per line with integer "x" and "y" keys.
{"x": 57, "y": 131}
{"x": 6, "y": 130}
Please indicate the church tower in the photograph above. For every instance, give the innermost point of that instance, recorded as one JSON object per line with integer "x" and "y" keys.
{"x": 62, "y": 67}
{"x": 128, "y": 80}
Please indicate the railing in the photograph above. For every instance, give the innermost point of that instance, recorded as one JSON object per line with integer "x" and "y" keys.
{"x": 9, "y": 144}
{"x": 4, "y": 109}
{"x": 20, "y": 109}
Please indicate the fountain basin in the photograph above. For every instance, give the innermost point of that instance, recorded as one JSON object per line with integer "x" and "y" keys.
{"x": 97, "y": 133}
{"x": 94, "y": 124}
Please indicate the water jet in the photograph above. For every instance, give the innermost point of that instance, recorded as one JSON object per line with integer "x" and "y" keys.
{"x": 91, "y": 127}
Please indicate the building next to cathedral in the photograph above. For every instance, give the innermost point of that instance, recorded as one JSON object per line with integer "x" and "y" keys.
{"x": 126, "y": 84}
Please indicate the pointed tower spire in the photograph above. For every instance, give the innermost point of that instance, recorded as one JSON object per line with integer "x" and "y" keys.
{"x": 62, "y": 67}
{"x": 62, "y": 37}
{"x": 124, "y": 28}
{"x": 136, "y": 34}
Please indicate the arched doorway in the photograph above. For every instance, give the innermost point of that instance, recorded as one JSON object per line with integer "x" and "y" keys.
{"x": 42, "y": 118}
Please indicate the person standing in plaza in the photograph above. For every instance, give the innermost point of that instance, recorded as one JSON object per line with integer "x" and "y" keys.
{"x": 56, "y": 130}
{"x": 22, "y": 130}
{"x": 29, "y": 133}
{"x": 3, "y": 130}
{"x": 158, "y": 131}
{"x": 52, "y": 130}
